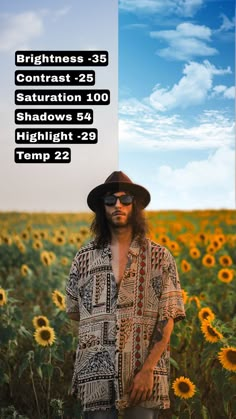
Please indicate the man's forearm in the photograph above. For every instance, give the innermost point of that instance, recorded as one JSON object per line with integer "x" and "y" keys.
{"x": 162, "y": 337}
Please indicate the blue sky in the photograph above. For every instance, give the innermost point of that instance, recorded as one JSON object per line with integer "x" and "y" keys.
{"x": 176, "y": 100}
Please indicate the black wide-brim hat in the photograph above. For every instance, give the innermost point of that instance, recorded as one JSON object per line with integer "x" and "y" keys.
{"x": 118, "y": 181}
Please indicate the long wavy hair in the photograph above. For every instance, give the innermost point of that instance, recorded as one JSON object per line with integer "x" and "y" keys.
{"x": 100, "y": 228}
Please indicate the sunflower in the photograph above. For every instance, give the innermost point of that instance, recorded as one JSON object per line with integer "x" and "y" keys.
{"x": 16, "y": 239}
{"x": 225, "y": 260}
{"x": 37, "y": 244}
{"x": 59, "y": 299}
{"x": 40, "y": 321}
{"x": 221, "y": 238}
{"x": 211, "y": 334}
{"x": 45, "y": 336}
{"x": 43, "y": 234}
{"x": 62, "y": 231}
{"x": 3, "y": 297}
{"x": 36, "y": 235}
{"x": 164, "y": 240}
{"x": 78, "y": 238}
{"x": 72, "y": 239}
{"x": 202, "y": 237}
{"x": 225, "y": 275}
{"x": 45, "y": 258}
{"x": 216, "y": 243}
{"x": 183, "y": 388}
{"x": 210, "y": 249}
{"x": 196, "y": 300}
{"x": 227, "y": 357}
{"x": 25, "y": 235}
{"x": 7, "y": 240}
{"x": 202, "y": 296}
{"x": 24, "y": 270}
{"x": 21, "y": 247}
{"x": 184, "y": 296}
{"x": 231, "y": 239}
{"x": 84, "y": 231}
{"x": 52, "y": 256}
{"x": 194, "y": 253}
{"x": 192, "y": 243}
{"x": 59, "y": 240}
{"x": 206, "y": 314}
{"x": 174, "y": 247}
{"x": 208, "y": 260}
{"x": 185, "y": 266}
{"x": 64, "y": 261}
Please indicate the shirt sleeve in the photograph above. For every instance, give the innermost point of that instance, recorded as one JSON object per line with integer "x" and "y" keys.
{"x": 171, "y": 301}
{"x": 72, "y": 288}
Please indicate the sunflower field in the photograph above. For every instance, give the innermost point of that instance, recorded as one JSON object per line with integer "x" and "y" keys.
{"x": 38, "y": 341}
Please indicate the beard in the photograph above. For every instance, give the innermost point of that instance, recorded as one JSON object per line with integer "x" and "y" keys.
{"x": 117, "y": 221}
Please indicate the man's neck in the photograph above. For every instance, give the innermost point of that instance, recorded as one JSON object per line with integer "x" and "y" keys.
{"x": 121, "y": 236}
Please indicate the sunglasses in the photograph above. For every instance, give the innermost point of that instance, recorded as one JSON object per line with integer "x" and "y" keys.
{"x": 110, "y": 200}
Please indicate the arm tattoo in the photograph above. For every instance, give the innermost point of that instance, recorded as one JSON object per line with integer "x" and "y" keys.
{"x": 158, "y": 331}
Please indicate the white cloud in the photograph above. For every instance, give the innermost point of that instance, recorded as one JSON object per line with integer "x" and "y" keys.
{"x": 17, "y": 30}
{"x": 188, "y": 7}
{"x": 227, "y": 92}
{"x": 227, "y": 24}
{"x": 199, "y": 184}
{"x": 185, "y": 42}
{"x": 166, "y": 7}
{"x": 142, "y": 128}
{"x": 136, "y": 26}
{"x": 192, "y": 89}
{"x": 144, "y": 125}
{"x": 61, "y": 12}
{"x": 184, "y": 29}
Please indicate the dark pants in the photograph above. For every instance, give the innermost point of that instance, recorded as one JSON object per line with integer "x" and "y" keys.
{"x": 135, "y": 412}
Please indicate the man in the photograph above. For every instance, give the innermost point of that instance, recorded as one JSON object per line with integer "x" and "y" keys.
{"x": 124, "y": 290}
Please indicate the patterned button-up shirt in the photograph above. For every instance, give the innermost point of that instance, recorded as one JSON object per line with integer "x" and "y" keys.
{"x": 117, "y": 326}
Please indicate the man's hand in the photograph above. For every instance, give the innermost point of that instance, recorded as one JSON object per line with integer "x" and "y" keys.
{"x": 142, "y": 386}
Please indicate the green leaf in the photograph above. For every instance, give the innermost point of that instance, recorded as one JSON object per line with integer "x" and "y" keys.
{"x": 219, "y": 379}
{"x": 233, "y": 406}
{"x": 24, "y": 332}
{"x": 30, "y": 355}
{"x": 228, "y": 392}
{"x": 174, "y": 341}
{"x": 185, "y": 415}
{"x": 67, "y": 341}
{"x": 40, "y": 373}
{"x": 7, "y": 333}
{"x": 59, "y": 355}
{"x": 23, "y": 366}
{"x": 47, "y": 370}
{"x": 6, "y": 378}
{"x": 174, "y": 363}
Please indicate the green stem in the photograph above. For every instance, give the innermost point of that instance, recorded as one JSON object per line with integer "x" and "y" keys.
{"x": 49, "y": 385}
{"x": 9, "y": 370}
{"x": 34, "y": 389}
{"x": 188, "y": 408}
